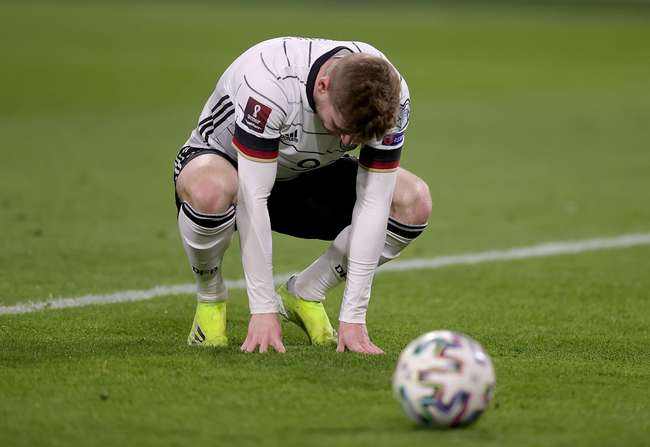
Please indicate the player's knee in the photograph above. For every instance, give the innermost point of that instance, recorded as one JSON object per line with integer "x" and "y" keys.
{"x": 411, "y": 201}
{"x": 422, "y": 203}
{"x": 208, "y": 183}
{"x": 209, "y": 195}
{"x": 206, "y": 196}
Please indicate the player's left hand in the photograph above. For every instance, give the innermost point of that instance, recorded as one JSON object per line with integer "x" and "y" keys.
{"x": 354, "y": 337}
{"x": 264, "y": 330}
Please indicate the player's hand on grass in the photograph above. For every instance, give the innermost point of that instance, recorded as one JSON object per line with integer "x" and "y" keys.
{"x": 354, "y": 337}
{"x": 264, "y": 330}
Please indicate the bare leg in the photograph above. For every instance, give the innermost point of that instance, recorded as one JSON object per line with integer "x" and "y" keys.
{"x": 207, "y": 186}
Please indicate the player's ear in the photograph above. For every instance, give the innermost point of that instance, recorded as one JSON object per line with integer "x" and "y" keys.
{"x": 323, "y": 84}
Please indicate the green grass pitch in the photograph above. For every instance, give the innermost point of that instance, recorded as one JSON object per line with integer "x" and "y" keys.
{"x": 530, "y": 124}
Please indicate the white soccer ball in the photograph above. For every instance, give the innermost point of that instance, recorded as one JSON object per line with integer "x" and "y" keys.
{"x": 444, "y": 379}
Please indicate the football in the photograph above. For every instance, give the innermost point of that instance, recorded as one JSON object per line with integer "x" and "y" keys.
{"x": 444, "y": 379}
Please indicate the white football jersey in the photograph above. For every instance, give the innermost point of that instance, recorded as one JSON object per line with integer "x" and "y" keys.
{"x": 263, "y": 108}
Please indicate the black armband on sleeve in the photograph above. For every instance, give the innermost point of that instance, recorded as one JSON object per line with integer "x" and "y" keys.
{"x": 254, "y": 147}
{"x": 380, "y": 159}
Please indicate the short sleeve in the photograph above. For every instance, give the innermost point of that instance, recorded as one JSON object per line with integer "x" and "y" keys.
{"x": 260, "y": 113}
{"x": 383, "y": 154}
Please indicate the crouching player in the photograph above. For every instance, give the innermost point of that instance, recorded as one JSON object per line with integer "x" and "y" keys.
{"x": 269, "y": 153}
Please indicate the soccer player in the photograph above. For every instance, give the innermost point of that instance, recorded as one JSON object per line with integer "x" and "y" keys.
{"x": 269, "y": 153}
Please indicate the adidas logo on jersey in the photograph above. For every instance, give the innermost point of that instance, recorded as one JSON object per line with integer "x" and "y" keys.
{"x": 290, "y": 137}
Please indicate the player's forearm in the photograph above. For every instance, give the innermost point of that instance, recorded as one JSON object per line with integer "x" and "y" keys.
{"x": 254, "y": 226}
{"x": 367, "y": 236}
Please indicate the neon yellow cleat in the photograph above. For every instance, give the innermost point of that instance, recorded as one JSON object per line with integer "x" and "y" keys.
{"x": 309, "y": 315}
{"x": 209, "y": 326}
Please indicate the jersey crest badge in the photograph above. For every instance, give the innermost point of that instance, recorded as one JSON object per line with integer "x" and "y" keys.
{"x": 256, "y": 115}
{"x": 404, "y": 114}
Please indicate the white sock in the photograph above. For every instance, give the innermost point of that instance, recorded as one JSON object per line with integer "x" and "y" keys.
{"x": 325, "y": 272}
{"x": 330, "y": 268}
{"x": 205, "y": 239}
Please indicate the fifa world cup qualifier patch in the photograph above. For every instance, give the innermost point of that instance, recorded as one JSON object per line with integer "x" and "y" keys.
{"x": 256, "y": 115}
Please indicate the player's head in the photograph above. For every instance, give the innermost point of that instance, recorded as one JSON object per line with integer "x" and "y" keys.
{"x": 357, "y": 97}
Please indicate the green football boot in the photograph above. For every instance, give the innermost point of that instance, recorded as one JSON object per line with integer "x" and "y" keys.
{"x": 209, "y": 326}
{"x": 309, "y": 315}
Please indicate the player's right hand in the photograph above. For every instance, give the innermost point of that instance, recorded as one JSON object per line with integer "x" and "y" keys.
{"x": 264, "y": 330}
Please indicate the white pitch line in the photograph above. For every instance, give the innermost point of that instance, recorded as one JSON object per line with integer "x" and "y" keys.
{"x": 534, "y": 251}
